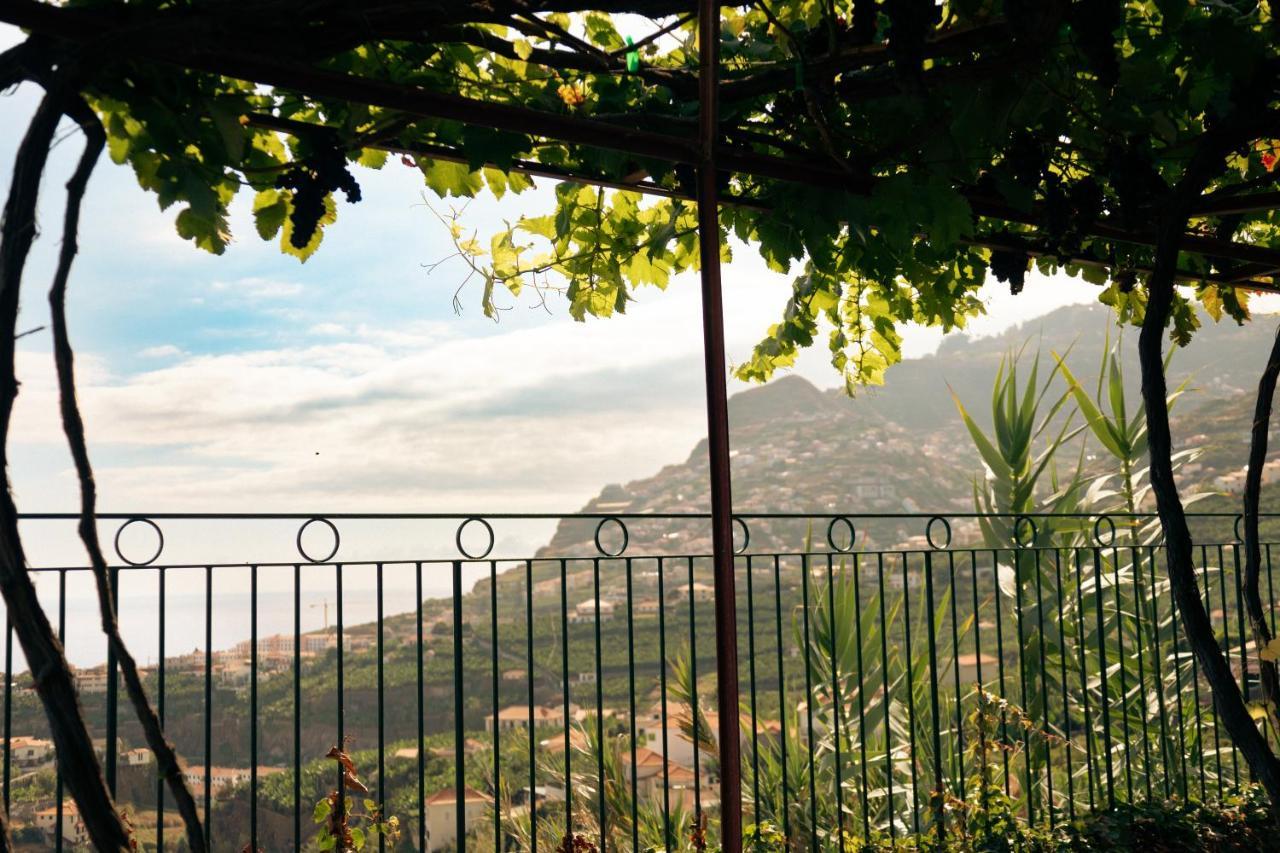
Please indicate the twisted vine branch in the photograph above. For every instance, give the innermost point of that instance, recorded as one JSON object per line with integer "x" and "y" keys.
{"x": 1183, "y": 581}
{"x": 73, "y": 426}
{"x": 1252, "y": 548}
{"x": 50, "y": 672}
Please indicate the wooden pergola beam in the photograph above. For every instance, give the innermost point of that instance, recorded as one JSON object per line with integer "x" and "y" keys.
{"x": 424, "y": 103}
{"x": 541, "y": 170}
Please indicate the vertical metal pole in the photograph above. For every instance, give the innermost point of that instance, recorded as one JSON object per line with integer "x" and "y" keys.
{"x": 718, "y": 430}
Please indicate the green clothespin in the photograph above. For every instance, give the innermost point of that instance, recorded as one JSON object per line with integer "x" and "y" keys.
{"x": 633, "y": 58}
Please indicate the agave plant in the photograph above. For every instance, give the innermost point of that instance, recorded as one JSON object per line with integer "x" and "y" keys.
{"x": 1127, "y": 577}
{"x": 1122, "y": 434}
{"x": 1014, "y": 485}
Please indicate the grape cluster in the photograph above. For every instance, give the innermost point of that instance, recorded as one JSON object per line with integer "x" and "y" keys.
{"x": 1011, "y": 268}
{"x": 310, "y": 181}
{"x": 1093, "y": 23}
{"x": 910, "y": 22}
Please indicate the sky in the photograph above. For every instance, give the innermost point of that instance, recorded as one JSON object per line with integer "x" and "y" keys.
{"x": 250, "y": 382}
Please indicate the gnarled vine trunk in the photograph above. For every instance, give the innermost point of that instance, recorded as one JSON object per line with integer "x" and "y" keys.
{"x": 1228, "y": 701}
{"x": 73, "y": 426}
{"x": 50, "y": 673}
{"x": 1252, "y": 549}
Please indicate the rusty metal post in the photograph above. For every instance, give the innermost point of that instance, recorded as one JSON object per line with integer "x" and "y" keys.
{"x": 718, "y": 430}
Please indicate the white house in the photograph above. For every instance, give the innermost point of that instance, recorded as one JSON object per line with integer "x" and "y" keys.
{"x": 517, "y": 717}
{"x": 30, "y": 751}
{"x": 585, "y": 612}
{"x": 74, "y": 833}
{"x": 442, "y": 815}
{"x": 222, "y": 778}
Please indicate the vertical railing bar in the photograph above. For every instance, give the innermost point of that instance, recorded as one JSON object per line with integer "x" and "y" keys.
{"x": 911, "y": 694}
{"x": 1208, "y": 599}
{"x": 1004, "y": 689}
{"x": 1195, "y": 684}
{"x": 1120, "y": 660}
{"x": 977, "y": 632}
{"x": 341, "y": 686}
{"x": 1044, "y": 690}
{"x": 533, "y": 739}
{"x": 564, "y": 686}
{"x": 1244, "y": 651}
{"x": 782, "y": 701}
{"x": 497, "y": 731}
{"x": 693, "y": 675}
{"x": 1226, "y": 635}
{"x": 208, "y": 705}
{"x": 935, "y": 711}
{"x": 1239, "y": 625}
{"x": 808, "y": 702}
{"x": 159, "y": 690}
{"x": 1157, "y": 653}
{"x": 751, "y": 666}
{"x": 422, "y": 758}
{"x": 955, "y": 672}
{"x": 382, "y": 717}
{"x": 1102, "y": 670}
{"x": 887, "y": 689}
{"x": 459, "y": 736}
{"x": 113, "y": 696}
{"x": 1089, "y": 734}
{"x": 1135, "y": 562}
{"x": 600, "y": 746}
{"x": 297, "y": 705}
{"x": 8, "y": 706}
{"x": 1066, "y": 693}
{"x": 57, "y": 765}
{"x": 862, "y": 689}
{"x": 662, "y": 702}
{"x": 1017, "y": 559}
{"x": 631, "y": 708}
{"x": 836, "y": 700}
{"x": 253, "y": 708}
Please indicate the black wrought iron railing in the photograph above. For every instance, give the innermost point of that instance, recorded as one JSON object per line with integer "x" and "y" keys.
{"x": 492, "y": 701}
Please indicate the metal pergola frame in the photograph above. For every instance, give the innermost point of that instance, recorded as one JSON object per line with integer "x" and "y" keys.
{"x": 1251, "y": 267}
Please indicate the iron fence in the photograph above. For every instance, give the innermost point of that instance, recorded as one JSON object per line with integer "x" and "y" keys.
{"x": 497, "y": 702}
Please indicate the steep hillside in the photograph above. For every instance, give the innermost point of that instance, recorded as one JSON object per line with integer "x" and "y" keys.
{"x": 901, "y": 448}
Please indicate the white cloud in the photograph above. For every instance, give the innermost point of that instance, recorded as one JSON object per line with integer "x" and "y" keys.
{"x": 161, "y": 351}
{"x": 255, "y": 288}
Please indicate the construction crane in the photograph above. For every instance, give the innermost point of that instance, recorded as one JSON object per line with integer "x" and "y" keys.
{"x": 325, "y": 605}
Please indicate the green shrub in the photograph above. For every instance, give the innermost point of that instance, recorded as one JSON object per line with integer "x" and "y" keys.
{"x": 1239, "y": 824}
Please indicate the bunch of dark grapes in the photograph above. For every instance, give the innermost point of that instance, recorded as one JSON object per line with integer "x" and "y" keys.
{"x": 1093, "y": 24}
{"x": 910, "y": 22}
{"x": 1010, "y": 268}
{"x": 310, "y": 181}
{"x": 1125, "y": 279}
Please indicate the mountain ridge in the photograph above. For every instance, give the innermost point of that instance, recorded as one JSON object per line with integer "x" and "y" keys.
{"x": 902, "y": 447}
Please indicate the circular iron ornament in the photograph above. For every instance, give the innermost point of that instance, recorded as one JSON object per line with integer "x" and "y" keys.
{"x": 1018, "y": 528}
{"x": 1111, "y": 529}
{"x": 462, "y": 548}
{"x": 831, "y": 534}
{"x": 626, "y": 537}
{"x": 337, "y": 540}
{"x": 159, "y": 541}
{"x": 1239, "y": 535}
{"x": 746, "y": 535}
{"x": 928, "y": 533}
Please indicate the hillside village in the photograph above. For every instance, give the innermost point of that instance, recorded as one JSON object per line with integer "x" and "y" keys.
{"x": 797, "y": 449}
